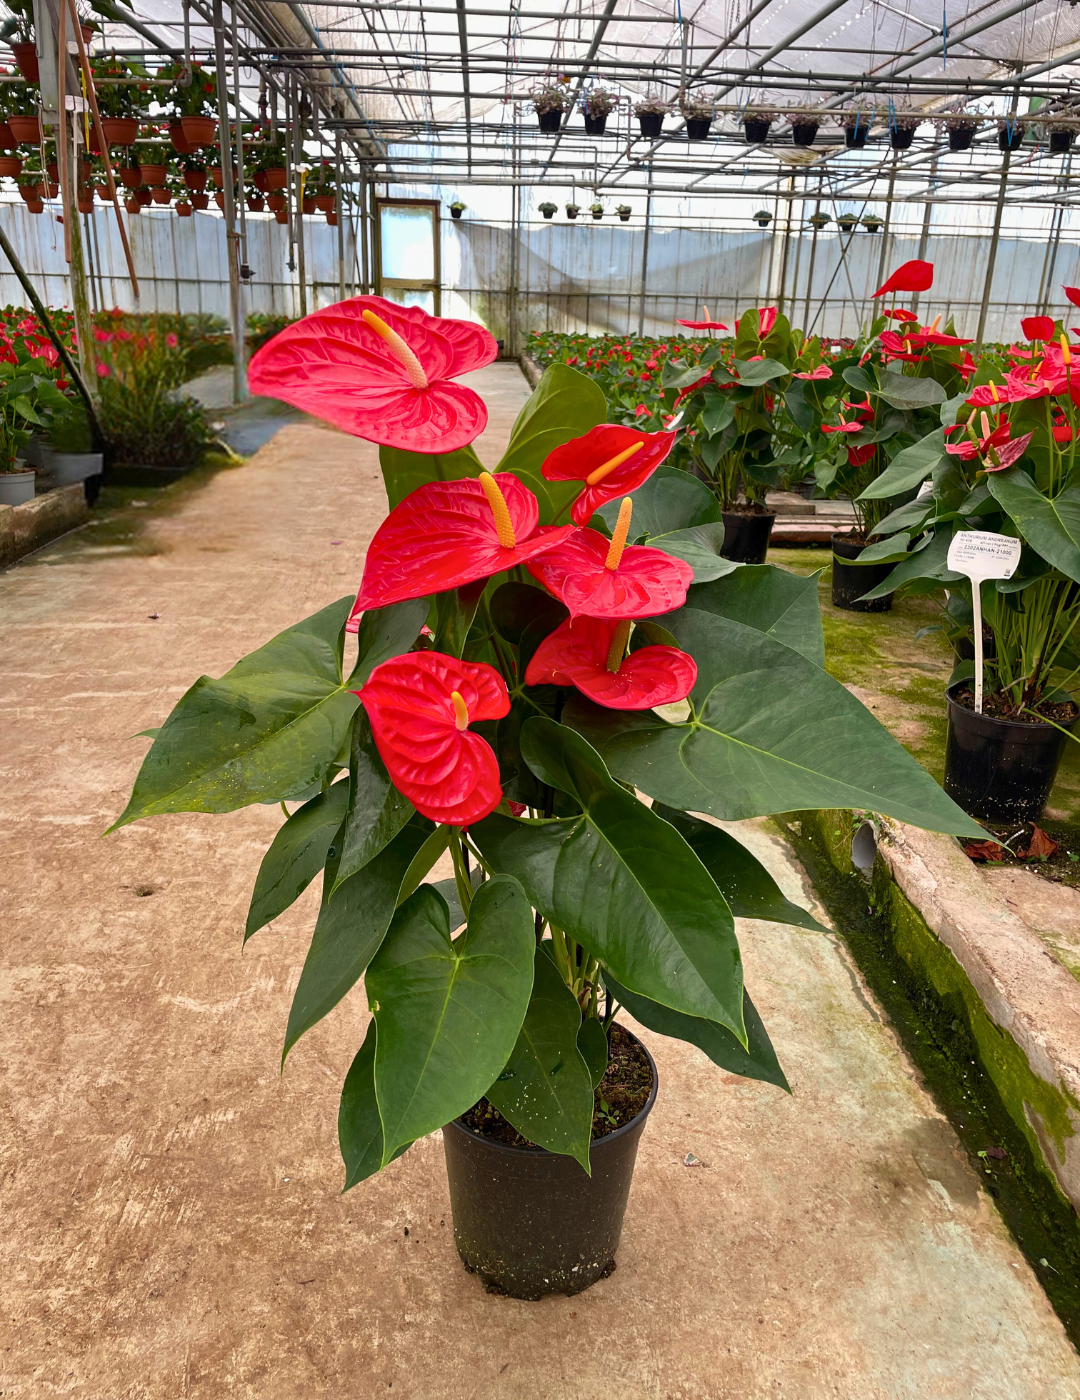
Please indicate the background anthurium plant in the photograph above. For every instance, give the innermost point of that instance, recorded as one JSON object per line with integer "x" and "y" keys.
{"x": 532, "y": 644}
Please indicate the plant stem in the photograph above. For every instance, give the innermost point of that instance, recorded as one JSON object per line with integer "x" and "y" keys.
{"x": 461, "y": 871}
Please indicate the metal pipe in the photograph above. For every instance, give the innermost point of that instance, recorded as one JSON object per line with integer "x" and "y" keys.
{"x": 645, "y": 257}
{"x": 236, "y": 314}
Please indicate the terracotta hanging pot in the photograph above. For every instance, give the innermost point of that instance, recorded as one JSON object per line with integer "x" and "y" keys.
{"x": 281, "y": 215}
{"x": 154, "y": 174}
{"x": 144, "y": 196}
{"x": 219, "y": 199}
{"x": 86, "y": 204}
{"x": 181, "y": 145}
{"x": 199, "y": 131}
{"x": 332, "y": 219}
{"x": 275, "y": 203}
{"x": 259, "y": 181}
{"x": 160, "y": 196}
{"x": 120, "y": 131}
{"x": 130, "y": 177}
{"x": 10, "y": 165}
{"x": 200, "y": 201}
{"x": 26, "y": 130}
{"x": 325, "y": 202}
{"x": 52, "y": 169}
{"x": 183, "y": 208}
{"x": 49, "y": 189}
{"x": 195, "y": 179}
{"x": 35, "y": 206}
{"x": 275, "y": 179}
{"x": 7, "y": 137}
{"x": 29, "y": 192}
{"x": 308, "y": 204}
{"x": 256, "y": 204}
{"x": 132, "y": 205}
{"x": 214, "y": 171}
{"x": 26, "y": 60}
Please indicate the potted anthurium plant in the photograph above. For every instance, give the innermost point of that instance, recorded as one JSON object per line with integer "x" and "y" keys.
{"x": 1002, "y": 461}
{"x": 512, "y": 641}
{"x": 728, "y": 396}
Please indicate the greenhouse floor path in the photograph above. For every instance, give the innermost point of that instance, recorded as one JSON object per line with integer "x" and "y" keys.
{"x": 173, "y": 1223}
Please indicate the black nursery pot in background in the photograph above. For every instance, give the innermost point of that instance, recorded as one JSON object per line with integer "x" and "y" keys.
{"x": 1000, "y": 770}
{"x": 549, "y": 121}
{"x": 1061, "y": 142}
{"x": 901, "y": 137}
{"x": 1010, "y": 139}
{"x": 804, "y": 133}
{"x": 530, "y": 1222}
{"x": 594, "y": 126}
{"x": 961, "y": 137}
{"x": 855, "y": 137}
{"x": 757, "y": 132}
{"x": 746, "y": 537}
{"x": 697, "y": 128}
{"x": 851, "y": 581}
{"x": 651, "y": 123}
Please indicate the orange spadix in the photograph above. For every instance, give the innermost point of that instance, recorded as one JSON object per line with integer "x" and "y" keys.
{"x": 504, "y": 526}
{"x": 619, "y": 534}
{"x": 461, "y": 710}
{"x": 411, "y": 365}
{"x": 606, "y": 468}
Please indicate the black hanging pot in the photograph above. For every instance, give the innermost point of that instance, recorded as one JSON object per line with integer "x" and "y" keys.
{"x": 757, "y": 131}
{"x": 1010, "y": 138}
{"x": 548, "y": 213}
{"x": 1000, "y": 770}
{"x": 624, "y": 218}
{"x": 594, "y": 126}
{"x": 530, "y": 1222}
{"x": 1061, "y": 142}
{"x": 901, "y": 137}
{"x": 651, "y": 124}
{"x": 851, "y": 581}
{"x": 804, "y": 133}
{"x": 697, "y": 128}
{"x": 855, "y": 137}
{"x": 550, "y": 121}
{"x": 746, "y": 536}
{"x": 456, "y": 213}
{"x": 961, "y": 137}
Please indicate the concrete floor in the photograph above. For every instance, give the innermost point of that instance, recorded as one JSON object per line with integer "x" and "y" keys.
{"x": 172, "y": 1218}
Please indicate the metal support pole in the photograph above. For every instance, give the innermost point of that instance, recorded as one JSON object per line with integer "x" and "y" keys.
{"x": 232, "y": 249}
{"x": 645, "y": 255}
{"x": 924, "y": 235}
{"x": 512, "y": 346}
{"x": 339, "y": 205}
{"x": 365, "y": 232}
{"x": 1047, "y": 280}
{"x": 995, "y": 238}
{"x": 242, "y": 272}
{"x": 786, "y": 245}
{"x": 298, "y": 195}
{"x": 813, "y": 259}
{"x": 886, "y": 231}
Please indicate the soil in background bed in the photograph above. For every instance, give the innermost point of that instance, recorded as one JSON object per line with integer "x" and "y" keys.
{"x": 748, "y": 508}
{"x": 620, "y": 1096}
{"x": 1056, "y": 711}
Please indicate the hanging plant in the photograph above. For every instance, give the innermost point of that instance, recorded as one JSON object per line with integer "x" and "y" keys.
{"x": 548, "y": 209}
{"x": 550, "y": 101}
{"x": 456, "y": 209}
{"x": 960, "y": 127}
{"x": 818, "y": 221}
{"x": 871, "y": 223}
{"x": 572, "y": 210}
{"x": 596, "y": 210}
{"x": 804, "y": 128}
{"x": 1010, "y": 133}
{"x": 650, "y": 112}
{"x": 763, "y": 218}
{"x": 756, "y": 123}
{"x": 596, "y": 104}
{"x": 856, "y": 125}
{"x": 624, "y": 211}
{"x": 902, "y": 129}
{"x": 697, "y": 112}
{"x": 847, "y": 222}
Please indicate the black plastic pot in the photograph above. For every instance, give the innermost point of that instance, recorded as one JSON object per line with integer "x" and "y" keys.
{"x": 961, "y": 137}
{"x": 697, "y": 128}
{"x": 804, "y": 133}
{"x": 456, "y": 213}
{"x": 548, "y": 213}
{"x": 855, "y": 137}
{"x": 901, "y": 137}
{"x": 1061, "y": 142}
{"x": 651, "y": 123}
{"x": 848, "y": 226}
{"x": 530, "y": 1222}
{"x": 550, "y": 121}
{"x": 571, "y": 213}
{"x": 757, "y": 132}
{"x": 1010, "y": 139}
{"x": 746, "y": 537}
{"x": 624, "y": 218}
{"x": 999, "y": 770}
{"x": 851, "y": 581}
{"x": 594, "y": 126}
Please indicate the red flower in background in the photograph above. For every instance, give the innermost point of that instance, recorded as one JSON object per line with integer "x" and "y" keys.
{"x": 859, "y": 456}
{"x": 822, "y": 372}
{"x": 842, "y": 427}
{"x": 1073, "y": 293}
{"x": 707, "y": 325}
{"x": 420, "y": 706}
{"x": 1038, "y": 327}
{"x": 996, "y": 449}
{"x": 900, "y": 313}
{"x": 380, "y": 371}
{"x": 604, "y": 578}
{"x": 588, "y": 653}
{"x": 914, "y": 276}
{"x": 766, "y": 320}
{"x": 610, "y": 460}
{"x": 900, "y": 346}
{"x": 449, "y": 533}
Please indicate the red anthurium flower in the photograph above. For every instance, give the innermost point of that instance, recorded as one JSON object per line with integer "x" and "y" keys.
{"x": 841, "y": 427}
{"x": 420, "y": 706}
{"x": 1062, "y": 432}
{"x": 899, "y": 346}
{"x": 865, "y": 410}
{"x": 609, "y": 460}
{"x": 589, "y": 653}
{"x": 449, "y": 533}
{"x": 900, "y": 313}
{"x": 1037, "y": 327}
{"x": 994, "y": 448}
{"x": 822, "y": 372}
{"x": 1073, "y": 293}
{"x": 967, "y": 366}
{"x": 859, "y": 456}
{"x": 707, "y": 325}
{"x": 600, "y": 577}
{"x": 766, "y": 320}
{"x": 914, "y": 276}
{"x": 988, "y": 395}
{"x": 380, "y": 371}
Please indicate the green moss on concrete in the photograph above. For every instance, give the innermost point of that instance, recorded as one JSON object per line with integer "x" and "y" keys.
{"x": 977, "y": 1073}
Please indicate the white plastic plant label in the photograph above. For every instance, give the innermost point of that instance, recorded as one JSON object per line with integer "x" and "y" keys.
{"x": 980, "y": 554}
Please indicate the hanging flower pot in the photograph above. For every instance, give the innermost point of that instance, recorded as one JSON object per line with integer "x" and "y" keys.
{"x": 902, "y": 132}
{"x": 259, "y": 181}
{"x": 818, "y": 221}
{"x": 961, "y": 137}
{"x": 160, "y": 195}
{"x": 275, "y": 203}
{"x": 7, "y": 137}
{"x": 325, "y": 203}
{"x": 856, "y": 129}
{"x": 624, "y": 211}
{"x": 763, "y": 218}
{"x": 181, "y": 146}
{"x": 332, "y": 219}
{"x": 697, "y": 128}
{"x": 281, "y": 215}
{"x": 651, "y": 124}
{"x": 144, "y": 196}
{"x": 49, "y": 189}
{"x": 35, "y": 206}
{"x": 1061, "y": 141}
{"x": 871, "y": 223}
{"x": 756, "y": 129}
{"x": 30, "y": 190}
{"x": 154, "y": 175}
{"x": 10, "y": 166}
{"x": 52, "y": 169}
{"x": 130, "y": 177}
{"x": 596, "y": 210}
{"x": 120, "y": 131}
{"x": 1010, "y": 136}
{"x": 199, "y": 131}
{"x": 132, "y": 205}
{"x": 594, "y": 126}
{"x": 26, "y": 60}
{"x": 846, "y": 222}
{"x": 804, "y": 133}
{"x": 276, "y": 179}
{"x": 214, "y": 171}
{"x": 551, "y": 120}
{"x": 184, "y": 208}
{"x": 219, "y": 199}
{"x": 548, "y": 209}
{"x": 256, "y": 203}
{"x": 308, "y": 204}
{"x": 572, "y": 210}
{"x": 26, "y": 130}
{"x": 195, "y": 179}
{"x": 86, "y": 203}
{"x": 200, "y": 200}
